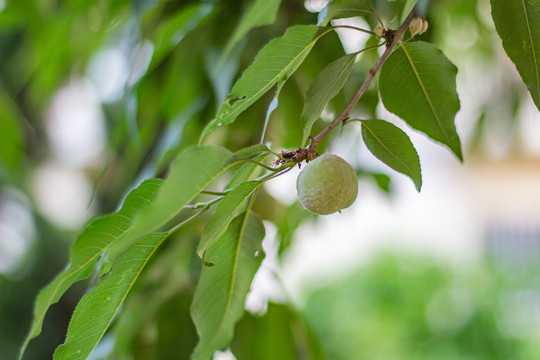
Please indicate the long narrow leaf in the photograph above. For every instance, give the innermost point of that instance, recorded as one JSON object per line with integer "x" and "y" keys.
{"x": 326, "y": 85}
{"x": 88, "y": 248}
{"x": 97, "y": 308}
{"x": 275, "y": 63}
{"x": 229, "y": 207}
{"x": 174, "y": 29}
{"x": 245, "y": 172}
{"x": 518, "y": 24}
{"x": 261, "y": 12}
{"x": 220, "y": 295}
{"x": 191, "y": 172}
{"x": 172, "y": 272}
{"x": 251, "y": 151}
{"x": 348, "y": 8}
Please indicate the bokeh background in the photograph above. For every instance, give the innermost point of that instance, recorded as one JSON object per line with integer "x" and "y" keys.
{"x": 96, "y": 96}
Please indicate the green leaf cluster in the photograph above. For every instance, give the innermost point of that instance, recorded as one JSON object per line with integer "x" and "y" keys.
{"x": 183, "y": 247}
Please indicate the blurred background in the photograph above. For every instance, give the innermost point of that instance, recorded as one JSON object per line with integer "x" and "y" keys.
{"x": 96, "y": 96}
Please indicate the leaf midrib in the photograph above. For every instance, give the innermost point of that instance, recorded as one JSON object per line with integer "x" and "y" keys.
{"x": 341, "y": 72}
{"x": 165, "y": 236}
{"x": 390, "y": 152}
{"x": 233, "y": 278}
{"x": 274, "y": 79}
{"x": 231, "y": 214}
{"x": 332, "y": 86}
{"x": 244, "y": 29}
{"x": 426, "y": 94}
{"x": 32, "y": 334}
{"x": 532, "y": 49}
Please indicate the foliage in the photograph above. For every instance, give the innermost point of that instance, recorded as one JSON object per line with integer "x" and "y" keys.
{"x": 412, "y": 308}
{"x": 517, "y": 25}
{"x": 204, "y": 120}
{"x": 420, "y": 74}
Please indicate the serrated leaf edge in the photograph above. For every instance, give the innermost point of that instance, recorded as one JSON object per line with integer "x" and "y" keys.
{"x": 426, "y": 94}
{"x": 418, "y": 185}
{"x": 532, "y": 48}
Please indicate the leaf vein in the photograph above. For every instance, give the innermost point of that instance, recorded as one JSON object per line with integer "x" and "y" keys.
{"x": 532, "y": 49}
{"x": 417, "y": 74}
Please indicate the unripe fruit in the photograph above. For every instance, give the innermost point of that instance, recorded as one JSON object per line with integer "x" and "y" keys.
{"x": 327, "y": 184}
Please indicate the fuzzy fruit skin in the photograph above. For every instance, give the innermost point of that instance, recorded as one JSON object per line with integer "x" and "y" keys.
{"x": 327, "y": 184}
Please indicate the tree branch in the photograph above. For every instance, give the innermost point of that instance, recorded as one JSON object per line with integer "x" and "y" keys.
{"x": 393, "y": 38}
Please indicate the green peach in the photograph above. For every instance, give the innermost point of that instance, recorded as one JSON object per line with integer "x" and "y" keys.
{"x": 327, "y": 184}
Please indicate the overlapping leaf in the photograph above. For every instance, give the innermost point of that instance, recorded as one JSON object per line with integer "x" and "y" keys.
{"x": 393, "y": 147}
{"x": 96, "y": 238}
{"x": 275, "y": 63}
{"x": 222, "y": 289}
{"x": 146, "y": 299}
{"x": 518, "y": 25}
{"x": 348, "y": 8}
{"x": 228, "y": 207}
{"x": 245, "y": 172}
{"x": 418, "y": 84}
{"x": 97, "y": 308}
{"x": 150, "y": 206}
{"x": 233, "y": 202}
{"x": 191, "y": 172}
{"x": 325, "y": 86}
{"x": 251, "y": 151}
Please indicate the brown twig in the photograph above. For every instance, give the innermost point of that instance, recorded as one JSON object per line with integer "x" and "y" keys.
{"x": 393, "y": 38}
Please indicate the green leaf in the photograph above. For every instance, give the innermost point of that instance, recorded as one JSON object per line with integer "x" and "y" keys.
{"x": 245, "y": 172}
{"x": 418, "y": 84}
{"x": 251, "y": 151}
{"x": 382, "y": 181}
{"x": 97, "y": 308}
{"x": 518, "y": 25}
{"x": 279, "y": 334}
{"x": 393, "y": 147}
{"x": 422, "y": 7}
{"x": 228, "y": 207}
{"x": 326, "y": 85}
{"x": 89, "y": 246}
{"x": 191, "y": 172}
{"x": 222, "y": 289}
{"x": 275, "y": 63}
{"x": 166, "y": 279}
{"x": 407, "y": 7}
{"x": 11, "y": 135}
{"x": 261, "y": 12}
{"x": 173, "y": 29}
{"x": 338, "y": 9}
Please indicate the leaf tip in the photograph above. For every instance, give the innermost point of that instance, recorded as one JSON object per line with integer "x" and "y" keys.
{"x": 207, "y": 130}
{"x": 458, "y": 152}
